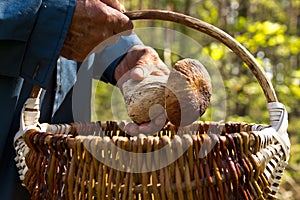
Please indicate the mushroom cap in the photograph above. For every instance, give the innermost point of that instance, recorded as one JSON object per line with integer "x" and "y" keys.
{"x": 188, "y": 92}
{"x": 184, "y": 94}
{"x": 145, "y": 99}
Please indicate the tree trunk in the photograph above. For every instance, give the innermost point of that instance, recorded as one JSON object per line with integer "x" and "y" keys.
{"x": 243, "y": 8}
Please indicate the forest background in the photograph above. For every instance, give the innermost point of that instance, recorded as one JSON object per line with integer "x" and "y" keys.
{"x": 269, "y": 29}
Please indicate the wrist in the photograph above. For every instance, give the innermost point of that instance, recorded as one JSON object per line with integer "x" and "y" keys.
{"x": 111, "y": 56}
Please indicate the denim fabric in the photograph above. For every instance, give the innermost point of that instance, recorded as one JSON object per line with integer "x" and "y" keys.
{"x": 31, "y": 36}
{"x": 12, "y": 98}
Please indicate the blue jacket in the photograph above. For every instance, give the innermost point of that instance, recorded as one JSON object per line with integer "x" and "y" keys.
{"x": 31, "y": 37}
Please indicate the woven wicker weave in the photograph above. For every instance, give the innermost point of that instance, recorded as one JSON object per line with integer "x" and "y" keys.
{"x": 207, "y": 160}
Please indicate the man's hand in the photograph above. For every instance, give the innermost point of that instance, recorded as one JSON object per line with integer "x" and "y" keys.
{"x": 139, "y": 62}
{"x": 93, "y": 22}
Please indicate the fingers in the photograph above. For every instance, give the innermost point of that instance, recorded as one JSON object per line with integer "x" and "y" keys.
{"x": 128, "y": 66}
{"x": 93, "y": 22}
{"x": 118, "y": 21}
{"x": 147, "y": 128}
{"x": 146, "y": 63}
{"x": 132, "y": 128}
{"x": 114, "y": 4}
{"x": 124, "y": 73}
{"x": 140, "y": 62}
{"x": 139, "y": 73}
{"x": 157, "y": 68}
{"x": 154, "y": 126}
{"x": 149, "y": 63}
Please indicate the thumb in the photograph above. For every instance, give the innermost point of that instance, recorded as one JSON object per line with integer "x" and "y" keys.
{"x": 139, "y": 73}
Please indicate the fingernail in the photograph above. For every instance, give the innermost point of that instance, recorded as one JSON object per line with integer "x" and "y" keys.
{"x": 139, "y": 71}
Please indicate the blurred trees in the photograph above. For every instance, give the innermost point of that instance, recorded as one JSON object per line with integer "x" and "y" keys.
{"x": 269, "y": 29}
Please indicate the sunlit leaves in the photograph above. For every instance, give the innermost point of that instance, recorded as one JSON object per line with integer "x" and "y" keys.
{"x": 216, "y": 51}
{"x": 294, "y": 44}
{"x": 295, "y": 90}
{"x": 263, "y": 34}
{"x": 270, "y": 28}
{"x": 207, "y": 11}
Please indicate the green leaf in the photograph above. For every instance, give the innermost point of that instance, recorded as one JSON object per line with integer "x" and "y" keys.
{"x": 270, "y": 28}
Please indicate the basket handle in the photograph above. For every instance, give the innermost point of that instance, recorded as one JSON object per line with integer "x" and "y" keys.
{"x": 278, "y": 114}
{"x": 216, "y": 33}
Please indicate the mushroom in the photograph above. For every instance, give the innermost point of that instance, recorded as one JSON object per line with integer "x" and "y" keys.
{"x": 188, "y": 92}
{"x": 184, "y": 95}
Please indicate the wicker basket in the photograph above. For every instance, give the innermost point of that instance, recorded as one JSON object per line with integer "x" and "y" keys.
{"x": 203, "y": 161}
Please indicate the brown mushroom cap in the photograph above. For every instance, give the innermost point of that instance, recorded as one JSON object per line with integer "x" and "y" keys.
{"x": 188, "y": 92}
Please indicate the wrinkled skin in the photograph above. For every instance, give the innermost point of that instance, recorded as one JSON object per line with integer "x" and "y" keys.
{"x": 93, "y": 22}
{"x": 138, "y": 63}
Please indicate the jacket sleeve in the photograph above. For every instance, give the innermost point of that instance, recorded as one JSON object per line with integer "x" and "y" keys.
{"x": 106, "y": 61}
{"x": 31, "y": 37}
